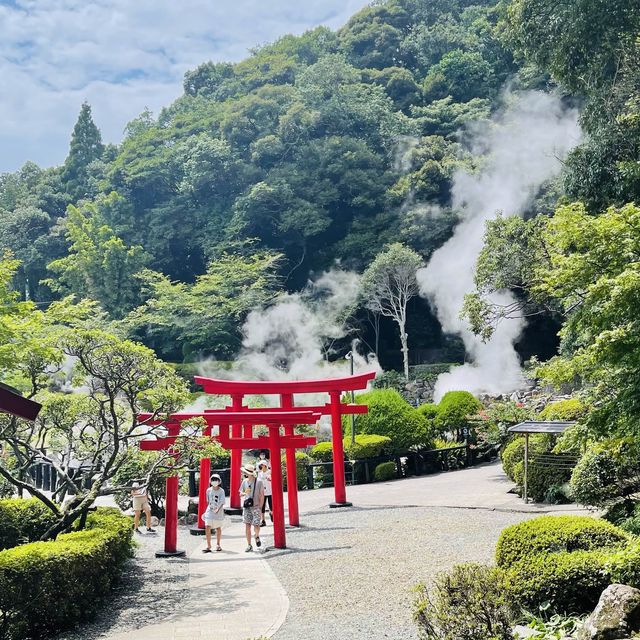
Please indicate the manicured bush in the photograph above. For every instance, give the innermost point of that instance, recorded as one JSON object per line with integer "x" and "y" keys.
{"x": 322, "y": 452}
{"x": 23, "y": 520}
{"x": 392, "y": 416}
{"x": 385, "y": 471}
{"x": 571, "y": 582}
{"x": 454, "y": 410}
{"x": 554, "y": 534}
{"x": 569, "y": 409}
{"x": 514, "y": 452}
{"x": 608, "y": 472}
{"x": 302, "y": 463}
{"x": 469, "y": 603}
{"x": 428, "y": 410}
{"x": 46, "y": 587}
{"x": 367, "y": 446}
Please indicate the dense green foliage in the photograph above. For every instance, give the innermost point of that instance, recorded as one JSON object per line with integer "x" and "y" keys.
{"x": 607, "y": 473}
{"x": 22, "y": 521}
{"x": 315, "y": 148}
{"x": 385, "y": 471}
{"x": 302, "y": 463}
{"x": 553, "y": 534}
{"x": 392, "y": 416}
{"x": 468, "y": 603}
{"x": 367, "y": 446}
{"x": 454, "y": 410}
{"x": 46, "y": 587}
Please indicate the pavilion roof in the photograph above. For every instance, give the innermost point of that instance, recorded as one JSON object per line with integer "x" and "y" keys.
{"x": 534, "y": 426}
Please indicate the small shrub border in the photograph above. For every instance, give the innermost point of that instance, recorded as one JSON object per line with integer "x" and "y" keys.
{"x": 46, "y": 587}
{"x": 548, "y": 534}
{"x": 385, "y": 471}
{"x": 23, "y": 520}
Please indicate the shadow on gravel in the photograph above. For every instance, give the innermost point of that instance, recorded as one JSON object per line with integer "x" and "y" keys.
{"x": 275, "y": 553}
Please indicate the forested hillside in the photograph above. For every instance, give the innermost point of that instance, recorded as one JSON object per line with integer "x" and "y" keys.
{"x": 315, "y": 149}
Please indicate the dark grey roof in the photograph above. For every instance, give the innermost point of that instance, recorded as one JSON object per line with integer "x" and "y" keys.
{"x": 532, "y": 426}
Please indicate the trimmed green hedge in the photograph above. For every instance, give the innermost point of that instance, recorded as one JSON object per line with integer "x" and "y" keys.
{"x": 23, "y": 520}
{"x": 322, "y": 452}
{"x": 46, "y": 587}
{"x": 385, "y": 471}
{"x": 570, "y": 581}
{"x": 366, "y": 446}
{"x": 554, "y": 534}
{"x": 566, "y": 561}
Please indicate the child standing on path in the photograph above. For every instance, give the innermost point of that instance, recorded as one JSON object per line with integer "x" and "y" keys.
{"x": 214, "y": 515}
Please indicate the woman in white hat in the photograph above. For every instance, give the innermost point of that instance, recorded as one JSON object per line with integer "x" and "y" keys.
{"x": 251, "y": 498}
{"x": 214, "y": 515}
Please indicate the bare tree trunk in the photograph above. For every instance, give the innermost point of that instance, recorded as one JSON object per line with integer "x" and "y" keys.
{"x": 405, "y": 354}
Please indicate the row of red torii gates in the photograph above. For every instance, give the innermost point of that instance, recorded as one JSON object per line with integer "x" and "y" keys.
{"x": 235, "y": 432}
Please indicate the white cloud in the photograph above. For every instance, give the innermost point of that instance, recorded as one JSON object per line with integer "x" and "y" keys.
{"x": 122, "y": 56}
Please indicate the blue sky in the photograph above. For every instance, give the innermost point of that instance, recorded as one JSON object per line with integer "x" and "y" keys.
{"x": 122, "y": 56}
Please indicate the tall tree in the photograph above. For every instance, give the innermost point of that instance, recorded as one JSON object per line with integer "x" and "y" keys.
{"x": 387, "y": 286}
{"x": 86, "y": 147}
{"x": 99, "y": 265}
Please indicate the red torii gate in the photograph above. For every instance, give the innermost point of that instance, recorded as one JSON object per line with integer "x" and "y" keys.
{"x": 335, "y": 387}
{"x": 223, "y": 419}
{"x": 241, "y": 419}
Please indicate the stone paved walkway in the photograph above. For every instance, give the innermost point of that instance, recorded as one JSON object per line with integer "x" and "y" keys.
{"x": 348, "y": 572}
{"x": 217, "y": 591}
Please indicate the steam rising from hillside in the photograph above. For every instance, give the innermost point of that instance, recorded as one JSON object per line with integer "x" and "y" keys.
{"x": 524, "y": 146}
{"x": 291, "y": 339}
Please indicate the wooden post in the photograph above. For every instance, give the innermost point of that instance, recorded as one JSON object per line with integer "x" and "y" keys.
{"x": 526, "y": 466}
{"x": 171, "y": 511}
{"x": 236, "y": 461}
{"x": 339, "y": 487}
{"x": 279, "y": 535}
{"x": 286, "y": 402}
{"x": 205, "y": 472}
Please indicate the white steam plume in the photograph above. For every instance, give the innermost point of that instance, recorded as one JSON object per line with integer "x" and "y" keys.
{"x": 524, "y": 146}
{"x": 291, "y": 339}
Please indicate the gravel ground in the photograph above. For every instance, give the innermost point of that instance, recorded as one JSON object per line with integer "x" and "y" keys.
{"x": 149, "y": 588}
{"x": 349, "y": 572}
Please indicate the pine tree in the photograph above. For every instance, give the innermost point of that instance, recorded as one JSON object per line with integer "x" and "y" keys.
{"x": 86, "y": 146}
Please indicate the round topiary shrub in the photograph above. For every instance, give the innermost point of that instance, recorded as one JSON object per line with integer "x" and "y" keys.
{"x": 367, "y": 446}
{"x": 540, "y": 479}
{"x": 607, "y": 472}
{"x": 514, "y": 452}
{"x": 570, "y": 582}
{"x": 385, "y": 471}
{"x": 549, "y": 534}
{"x": 428, "y": 410}
{"x": 454, "y": 410}
{"x": 392, "y": 416}
{"x": 569, "y": 409}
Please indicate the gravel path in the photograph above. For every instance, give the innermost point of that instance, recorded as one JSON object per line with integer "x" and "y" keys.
{"x": 149, "y": 588}
{"x": 349, "y": 572}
